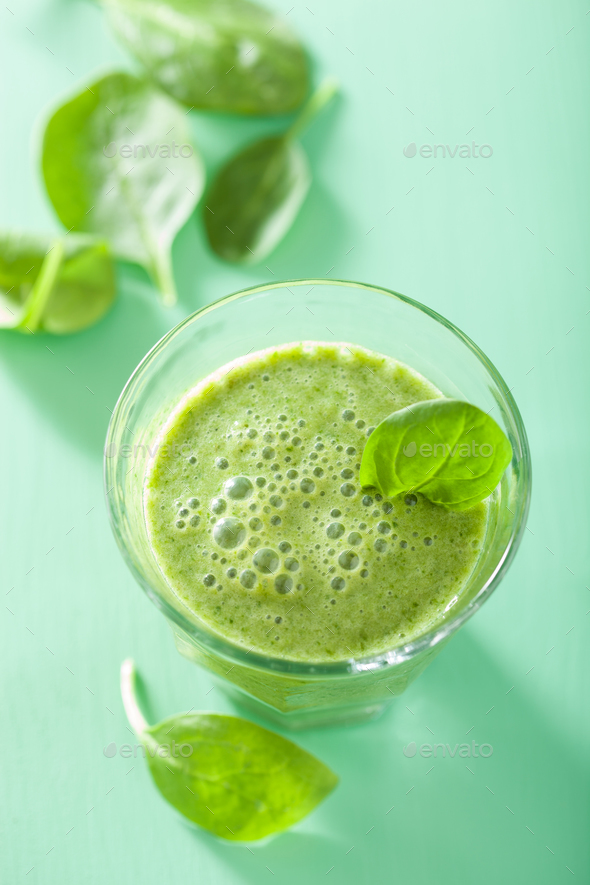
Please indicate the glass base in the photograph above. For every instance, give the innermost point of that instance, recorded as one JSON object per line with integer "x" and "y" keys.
{"x": 301, "y": 719}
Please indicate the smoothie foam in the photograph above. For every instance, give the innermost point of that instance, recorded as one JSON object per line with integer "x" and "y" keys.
{"x": 260, "y": 527}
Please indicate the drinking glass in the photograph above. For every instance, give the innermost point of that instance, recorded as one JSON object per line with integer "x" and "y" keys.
{"x": 294, "y": 694}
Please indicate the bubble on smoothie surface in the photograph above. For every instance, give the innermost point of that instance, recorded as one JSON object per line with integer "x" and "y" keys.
{"x": 229, "y": 532}
{"x": 218, "y": 505}
{"x": 283, "y": 584}
{"x": 238, "y": 488}
{"x": 348, "y": 560}
{"x": 335, "y": 530}
{"x": 266, "y": 560}
{"x": 222, "y": 463}
{"x": 248, "y": 579}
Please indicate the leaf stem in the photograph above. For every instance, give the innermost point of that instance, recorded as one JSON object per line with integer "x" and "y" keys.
{"x": 325, "y": 91}
{"x": 43, "y": 287}
{"x": 163, "y": 276}
{"x": 129, "y": 695}
{"x": 160, "y": 259}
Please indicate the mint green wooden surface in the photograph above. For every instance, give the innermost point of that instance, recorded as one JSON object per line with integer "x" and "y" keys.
{"x": 498, "y": 245}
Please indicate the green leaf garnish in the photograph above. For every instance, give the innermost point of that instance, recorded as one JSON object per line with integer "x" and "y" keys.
{"x": 109, "y": 167}
{"x": 229, "y": 776}
{"x": 257, "y": 194}
{"x": 224, "y": 55}
{"x": 54, "y": 284}
{"x": 450, "y": 451}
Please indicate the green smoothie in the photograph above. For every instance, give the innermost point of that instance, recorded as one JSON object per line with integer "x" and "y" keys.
{"x": 258, "y": 522}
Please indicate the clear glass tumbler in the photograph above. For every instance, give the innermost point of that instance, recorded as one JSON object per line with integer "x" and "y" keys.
{"x": 291, "y": 693}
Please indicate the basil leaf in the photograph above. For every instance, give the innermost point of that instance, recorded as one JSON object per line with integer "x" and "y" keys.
{"x": 258, "y": 193}
{"x": 226, "y": 774}
{"x": 223, "y": 55}
{"x": 52, "y": 284}
{"x": 112, "y": 167}
{"x": 449, "y": 450}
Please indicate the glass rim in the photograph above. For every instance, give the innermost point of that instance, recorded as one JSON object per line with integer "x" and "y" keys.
{"x": 376, "y": 662}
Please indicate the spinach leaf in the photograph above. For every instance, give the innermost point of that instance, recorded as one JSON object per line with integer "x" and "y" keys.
{"x": 258, "y": 193}
{"x": 51, "y": 284}
{"x": 449, "y": 450}
{"x": 223, "y": 55}
{"x": 228, "y": 775}
{"x": 118, "y": 163}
